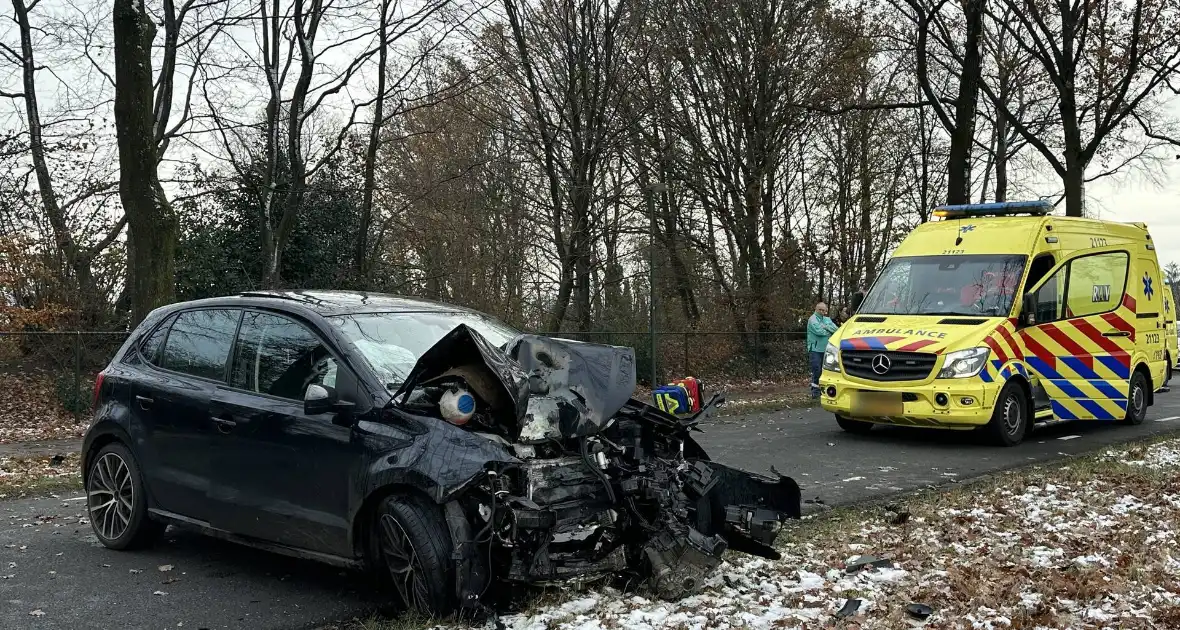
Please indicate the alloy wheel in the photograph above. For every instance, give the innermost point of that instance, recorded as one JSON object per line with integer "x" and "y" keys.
{"x": 111, "y": 496}
{"x": 404, "y": 567}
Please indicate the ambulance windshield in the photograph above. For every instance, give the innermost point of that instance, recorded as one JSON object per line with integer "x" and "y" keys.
{"x": 972, "y": 285}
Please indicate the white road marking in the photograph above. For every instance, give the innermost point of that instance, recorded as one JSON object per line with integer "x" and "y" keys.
{"x": 1069, "y": 437}
{"x": 1169, "y": 418}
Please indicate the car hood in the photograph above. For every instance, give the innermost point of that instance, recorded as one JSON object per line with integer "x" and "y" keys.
{"x": 552, "y": 387}
{"x": 934, "y": 334}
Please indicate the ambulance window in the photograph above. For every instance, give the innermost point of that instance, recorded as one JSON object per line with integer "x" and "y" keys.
{"x": 1048, "y": 298}
{"x": 1096, "y": 284}
{"x": 1041, "y": 266}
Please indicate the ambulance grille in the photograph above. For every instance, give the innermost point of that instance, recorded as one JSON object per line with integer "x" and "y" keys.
{"x": 903, "y": 366}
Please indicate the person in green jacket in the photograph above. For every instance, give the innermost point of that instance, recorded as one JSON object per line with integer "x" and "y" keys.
{"x": 819, "y": 328}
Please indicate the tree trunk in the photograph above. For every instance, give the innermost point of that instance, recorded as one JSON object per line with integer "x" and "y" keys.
{"x": 959, "y": 161}
{"x": 1001, "y": 156}
{"x": 152, "y": 225}
{"x": 361, "y": 255}
{"x": 1075, "y": 185}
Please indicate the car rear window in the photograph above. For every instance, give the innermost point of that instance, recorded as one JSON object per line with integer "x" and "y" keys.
{"x": 199, "y": 342}
{"x": 150, "y": 348}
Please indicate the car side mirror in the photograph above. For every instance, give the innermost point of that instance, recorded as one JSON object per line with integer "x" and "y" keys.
{"x": 1028, "y": 309}
{"x": 320, "y": 399}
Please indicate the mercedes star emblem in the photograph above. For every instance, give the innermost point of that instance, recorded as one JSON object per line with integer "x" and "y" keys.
{"x": 881, "y": 364}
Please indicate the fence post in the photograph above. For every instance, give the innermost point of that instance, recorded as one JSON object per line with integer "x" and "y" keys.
{"x": 757, "y": 355}
{"x": 77, "y": 376}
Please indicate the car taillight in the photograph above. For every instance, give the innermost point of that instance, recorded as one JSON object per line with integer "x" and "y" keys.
{"x": 97, "y": 388}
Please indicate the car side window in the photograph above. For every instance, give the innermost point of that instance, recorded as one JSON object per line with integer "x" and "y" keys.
{"x": 199, "y": 342}
{"x": 150, "y": 348}
{"x": 1096, "y": 284}
{"x": 280, "y": 357}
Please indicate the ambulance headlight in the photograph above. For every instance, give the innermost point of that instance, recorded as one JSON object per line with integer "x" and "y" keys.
{"x": 831, "y": 361}
{"x": 964, "y": 363}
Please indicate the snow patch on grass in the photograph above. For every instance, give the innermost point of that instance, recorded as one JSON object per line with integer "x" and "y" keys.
{"x": 1046, "y": 548}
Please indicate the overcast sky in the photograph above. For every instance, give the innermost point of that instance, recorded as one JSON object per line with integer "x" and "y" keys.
{"x": 1136, "y": 200}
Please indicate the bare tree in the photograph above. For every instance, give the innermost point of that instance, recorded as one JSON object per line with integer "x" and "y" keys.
{"x": 570, "y": 63}
{"x": 151, "y": 221}
{"x": 967, "y": 65}
{"x": 1106, "y": 61}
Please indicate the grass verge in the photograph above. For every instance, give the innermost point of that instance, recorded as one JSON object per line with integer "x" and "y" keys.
{"x": 39, "y": 475}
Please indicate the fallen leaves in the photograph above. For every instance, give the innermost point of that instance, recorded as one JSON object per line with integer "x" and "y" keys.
{"x": 32, "y": 411}
{"x": 26, "y": 475}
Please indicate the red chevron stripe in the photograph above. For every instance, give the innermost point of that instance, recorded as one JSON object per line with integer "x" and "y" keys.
{"x": 1012, "y": 345}
{"x": 1070, "y": 346}
{"x": 858, "y": 343}
{"x": 1119, "y": 324}
{"x": 1092, "y": 334}
{"x": 1129, "y": 302}
{"x": 1038, "y": 350}
{"x": 917, "y": 345}
{"x": 996, "y": 348}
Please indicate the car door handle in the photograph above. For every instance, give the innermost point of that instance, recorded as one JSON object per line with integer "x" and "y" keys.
{"x": 1116, "y": 333}
{"x": 224, "y": 424}
{"x": 144, "y": 401}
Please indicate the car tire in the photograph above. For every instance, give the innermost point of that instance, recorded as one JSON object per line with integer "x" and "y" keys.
{"x": 411, "y": 546}
{"x": 1010, "y": 417}
{"x": 116, "y": 500}
{"x": 1137, "y": 399}
{"x": 858, "y": 427}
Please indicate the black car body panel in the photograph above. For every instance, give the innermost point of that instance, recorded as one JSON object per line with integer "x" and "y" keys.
{"x": 557, "y": 473}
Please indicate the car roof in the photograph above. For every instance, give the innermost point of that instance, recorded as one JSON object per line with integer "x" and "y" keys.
{"x": 328, "y": 302}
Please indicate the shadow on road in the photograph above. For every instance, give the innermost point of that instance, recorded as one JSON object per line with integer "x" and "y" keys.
{"x": 959, "y": 439}
{"x": 233, "y": 564}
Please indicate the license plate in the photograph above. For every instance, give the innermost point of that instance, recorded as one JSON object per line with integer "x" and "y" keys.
{"x": 875, "y": 404}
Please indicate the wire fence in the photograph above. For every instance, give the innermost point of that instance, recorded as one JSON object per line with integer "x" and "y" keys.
{"x": 57, "y": 369}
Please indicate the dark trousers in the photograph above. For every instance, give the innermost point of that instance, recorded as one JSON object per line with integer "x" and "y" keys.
{"x": 817, "y": 366}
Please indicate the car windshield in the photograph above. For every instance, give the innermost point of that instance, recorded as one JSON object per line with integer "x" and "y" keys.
{"x": 393, "y": 342}
{"x": 946, "y": 285}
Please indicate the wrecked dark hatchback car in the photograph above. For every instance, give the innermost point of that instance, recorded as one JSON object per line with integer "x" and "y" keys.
{"x": 430, "y": 444}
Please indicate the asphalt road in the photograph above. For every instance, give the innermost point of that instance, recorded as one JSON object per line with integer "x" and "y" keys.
{"x": 56, "y": 575}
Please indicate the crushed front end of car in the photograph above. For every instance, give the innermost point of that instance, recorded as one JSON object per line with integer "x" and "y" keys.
{"x": 589, "y": 483}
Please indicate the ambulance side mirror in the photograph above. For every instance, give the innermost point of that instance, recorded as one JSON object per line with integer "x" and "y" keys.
{"x": 1028, "y": 309}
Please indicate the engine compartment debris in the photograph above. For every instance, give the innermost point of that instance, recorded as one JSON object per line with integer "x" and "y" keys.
{"x": 586, "y": 482}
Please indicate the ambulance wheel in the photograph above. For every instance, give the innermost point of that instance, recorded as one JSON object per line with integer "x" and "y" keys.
{"x": 854, "y": 426}
{"x": 1010, "y": 417}
{"x": 1137, "y": 400}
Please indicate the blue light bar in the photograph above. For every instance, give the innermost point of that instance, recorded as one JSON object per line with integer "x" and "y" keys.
{"x": 1002, "y": 208}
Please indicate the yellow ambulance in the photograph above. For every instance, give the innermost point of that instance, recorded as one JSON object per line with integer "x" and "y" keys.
{"x": 1171, "y": 341}
{"x": 1001, "y": 316}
